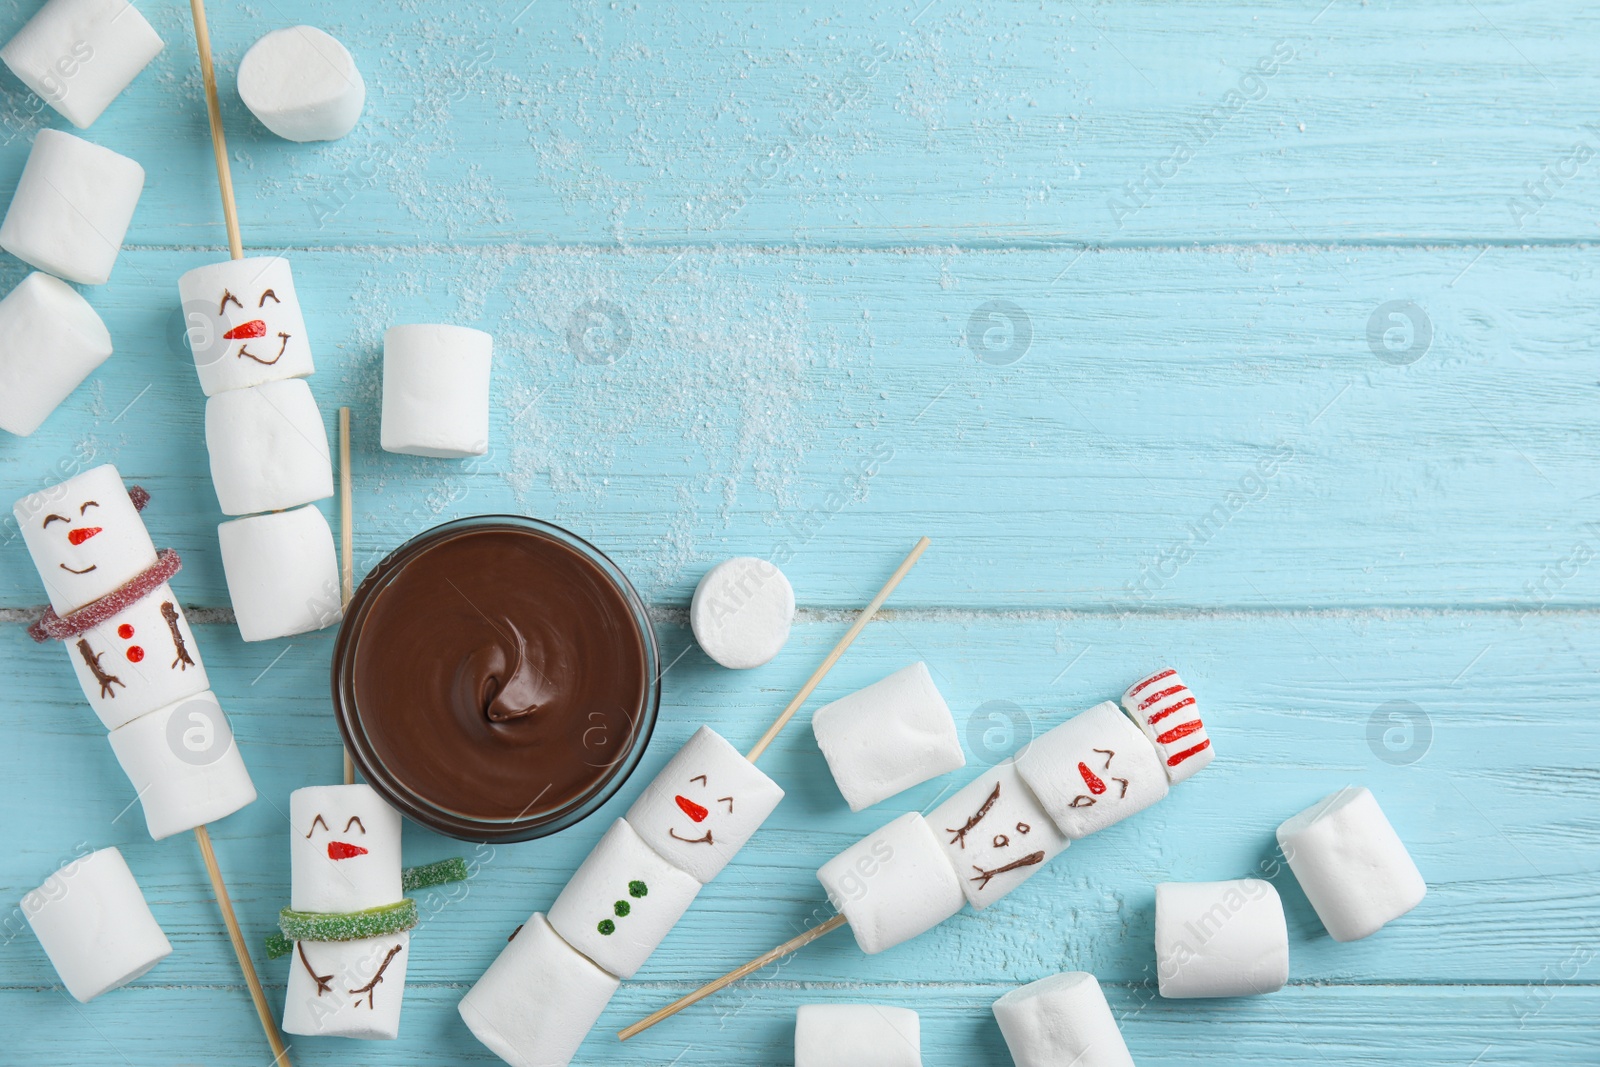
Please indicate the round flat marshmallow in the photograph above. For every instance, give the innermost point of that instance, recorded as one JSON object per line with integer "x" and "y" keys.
{"x": 538, "y": 1000}
{"x": 1220, "y": 939}
{"x": 436, "y": 391}
{"x": 344, "y": 849}
{"x": 1353, "y": 866}
{"x": 283, "y": 574}
{"x": 50, "y": 341}
{"x": 72, "y": 207}
{"x": 94, "y": 924}
{"x": 856, "y": 1035}
{"x": 1093, "y": 770}
{"x": 268, "y": 447}
{"x": 243, "y": 323}
{"x": 741, "y": 612}
{"x": 141, "y": 659}
{"x": 302, "y": 84}
{"x": 1165, "y": 709}
{"x": 85, "y": 536}
{"x": 79, "y": 54}
{"x": 893, "y": 884}
{"x": 1063, "y": 1019}
{"x": 896, "y": 733}
{"x": 349, "y": 1008}
{"x": 184, "y": 765}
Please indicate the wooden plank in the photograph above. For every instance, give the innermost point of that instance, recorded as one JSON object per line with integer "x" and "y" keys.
{"x": 1184, "y": 429}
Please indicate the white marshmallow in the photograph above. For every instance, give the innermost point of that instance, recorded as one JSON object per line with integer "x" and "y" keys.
{"x": 79, "y": 54}
{"x": 347, "y": 1008}
{"x": 283, "y": 575}
{"x": 893, "y": 884}
{"x": 94, "y": 924}
{"x": 538, "y": 1000}
{"x": 138, "y": 660}
{"x": 1220, "y": 939}
{"x": 436, "y": 391}
{"x": 1095, "y": 769}
{"x": 896, "y": 733}
{"x": 327, "y": 825}
{"x": 704, "y": 805}
{"x": 254, "y": 300}
{"x": 741, "y": 612}
{"x": 85, "y": 536}
{"x": 995, "y": 823}
{"x": 50, "y": 341}
{"x": 1063, "y": 1019}
{"x": 621, "y": 902}
{"x": 184, "y": 765}
{"x": 1166, "y": 711}
{"x": 856, "y": 1035}
{"x": 269, "y": 450}
{"x": 302, "y": 84}
{"x": 1352, "y": 865}
{"x": 72, "y": 207}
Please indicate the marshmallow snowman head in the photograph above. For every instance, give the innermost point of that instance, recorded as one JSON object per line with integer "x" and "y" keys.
{"x": 85, "y": 536}
{"x": 1093, "y": 770}
{"x": 344, "y": 849}
{"x": 244, "y": 324}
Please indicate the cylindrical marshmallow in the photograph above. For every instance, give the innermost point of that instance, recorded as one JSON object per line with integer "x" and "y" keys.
{"x": 893, "y": 884}
{"x": 302, "y": 84}
{"x": 856, "y": 1035}
{"x": 94, "y": 924}
{"x": 142, "y": 658}
{"x": 622, "y": 902}
{"x": 50, "y": 341}
{"x": 283, "y": 575}
{"x": 344, "y": 849}
{"x": 72, "y": 207}
{"x": 1165, "y": 709}
{"x": 184, "y": 765}
{"x": 741, "y": 612}
{"x": 896, "y": 733}
{"x": 244, "y": 324}
{"x": 269, "y": 449}
{"x": 996, "y": 834}
{"x": 538, "y": 1000}
{"x": 704, "y": 805}
{"x": 1352, "y": 865}
{"x": 359, "y": 996}
{"x": 85, "y": 536}
{"x": 79, "y": 54}
{"x": 1063, "y": 1019}
{"x": 436, "y": 391}
{"x": 1220, "y": 939}
{"x": 1093, "y": 770}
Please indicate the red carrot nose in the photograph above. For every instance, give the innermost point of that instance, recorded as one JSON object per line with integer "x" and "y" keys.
{"x": 691, "y": 809}
{"x": 1092, "y": 780}
{"x": 253, "y": 328}
{"x": 338, "y": 850}
{"x": 82, "y": 534}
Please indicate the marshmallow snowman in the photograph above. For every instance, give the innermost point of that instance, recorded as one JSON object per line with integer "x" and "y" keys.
{"x": 344, "y": 858}
{"x": 996, "y": 834}
{"x": 85, "y": 537}
{"x": 704, "y": 805}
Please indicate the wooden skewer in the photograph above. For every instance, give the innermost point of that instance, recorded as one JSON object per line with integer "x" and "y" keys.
{"x": 791, "y": 945}
{"x": 280, "y": 1054}
{"x": 347, "y": 579}
{"x": 838, "y": 650}
{"x": 219, "y": 143}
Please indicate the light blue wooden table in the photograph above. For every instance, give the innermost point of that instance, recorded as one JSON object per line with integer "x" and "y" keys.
{"x": 1258, "y": 338}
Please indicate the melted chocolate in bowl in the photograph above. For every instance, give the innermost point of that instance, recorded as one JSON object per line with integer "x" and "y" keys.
{"x": 495, "y": 678}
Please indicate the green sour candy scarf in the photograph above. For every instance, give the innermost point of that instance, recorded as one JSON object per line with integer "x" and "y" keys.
{"x": 372, "y": 922}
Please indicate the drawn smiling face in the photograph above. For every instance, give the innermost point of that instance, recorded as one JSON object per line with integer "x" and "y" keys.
{"x": 340, "y": 849}
{"x": 699, "y": 813}
{"x": 254, "y": 330}
{"x": 85, "y": 536}
{"x": 243, "y": 324}
{"x": 344, "y": 849}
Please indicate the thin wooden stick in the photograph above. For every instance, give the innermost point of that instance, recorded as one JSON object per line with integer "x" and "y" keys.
{"x": 280, "y": 1054}
{"x": 838, "y": 650}
{"x": 219, "y": 143}
{"x": 347, "y": 574}
{"x": 792, "y": 945}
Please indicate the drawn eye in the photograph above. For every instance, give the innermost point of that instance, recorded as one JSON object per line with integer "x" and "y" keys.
{"x": 222, "y": 305}
{"x": 728, "y": 801}
{"x": 87, "y": 504}
{"x": 355, "y": 820}
{"x": 263, "y": 301}
{"x": 1001, "y": 840}
{"x": 318, "y": 819}
{"x": 699, "y": 778}
{"x": 48, "y": 519}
